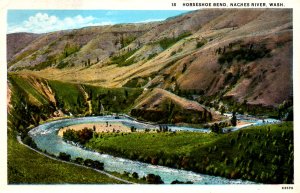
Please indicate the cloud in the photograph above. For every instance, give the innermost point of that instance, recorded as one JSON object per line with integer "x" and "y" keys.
{"x": 42, "y": 22}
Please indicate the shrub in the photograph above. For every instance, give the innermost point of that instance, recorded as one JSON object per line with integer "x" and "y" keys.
{"x": 123, "y": 60}
{"x": 88, "y": 162}
{"x": 173, "y": 53}
{"x": 81, "y": 136}
{"x": 135, "y": 175}
{"x": 154, "y": 179}
{"x": 79, "y": 160}
{"x": 200, "y": 44}
{"x": 28, "y": 141}
{"x": 64, "y": 156}
{"x": 94, "y": 164}
{"x": 98, "y": 165}
{"x": 244, "y": 53}
{"x": 152, "y": 56}
{"x": 180, "y": 182}
{"x": 167, "y": 42}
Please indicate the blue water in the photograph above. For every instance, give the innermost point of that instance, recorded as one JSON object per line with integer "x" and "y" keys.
{"x": 47, "y": 139}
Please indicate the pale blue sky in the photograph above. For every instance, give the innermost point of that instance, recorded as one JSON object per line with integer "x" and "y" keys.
{"x": 41, "y": 21}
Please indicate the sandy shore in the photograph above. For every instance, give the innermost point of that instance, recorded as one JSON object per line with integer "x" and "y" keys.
{"x": 100, "y": 127}
{"x": 241, "y": 123}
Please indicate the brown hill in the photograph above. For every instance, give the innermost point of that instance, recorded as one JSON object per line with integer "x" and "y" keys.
{"x": 213, "y": 56}
{"x": 16, "y": 42}
{"x": 162, "y": 106}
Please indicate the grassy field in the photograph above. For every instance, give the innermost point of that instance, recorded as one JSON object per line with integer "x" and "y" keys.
{"x": 262, "y": 154}
{"x": 151, "y": 144}
{"x": 28, "y": 167}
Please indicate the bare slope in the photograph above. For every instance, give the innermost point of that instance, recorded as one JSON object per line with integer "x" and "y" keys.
{"x": 16, "y": 42}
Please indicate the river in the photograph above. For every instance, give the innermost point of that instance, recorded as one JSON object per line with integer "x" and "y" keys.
{"x": 46, "y": 138}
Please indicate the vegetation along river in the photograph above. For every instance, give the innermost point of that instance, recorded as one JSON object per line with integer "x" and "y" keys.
{"x": 46, "y": 138}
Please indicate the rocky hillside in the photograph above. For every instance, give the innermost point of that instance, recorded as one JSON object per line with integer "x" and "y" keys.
{"x": 162, "y": 106}
{"x": 233, "y": 58}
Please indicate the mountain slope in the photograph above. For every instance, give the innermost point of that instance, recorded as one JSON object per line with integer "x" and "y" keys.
{"x": 213, "y": 56}
{"x": 16, "y": 42}
{"x": 162, "y": 106}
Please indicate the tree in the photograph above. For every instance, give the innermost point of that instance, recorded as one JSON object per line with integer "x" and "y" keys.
{"x": 98, "y": 165}
{"x": 215, "y": 128}
{"x": 70, "y": 135}
{"x": 88, "y": 162}
{"x": 85, "y": 135}
{"x": 59, "y": 102}
{"x": 79, "y": 160}
{"x": 222, "y": 110}
{"x": 133, "y": 129}
{"x": 90, "y": 96}
{"x": 233, "y": 119}
{"x": 64, "y": 156}
{"x": 135, "y": 175}
{"x": 184, "y": 68}
{"x": 28, "y": 141}
{"x": 154, "y": 179}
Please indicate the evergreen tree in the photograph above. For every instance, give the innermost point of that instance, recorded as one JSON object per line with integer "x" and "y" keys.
{"x": 233, "y": 119}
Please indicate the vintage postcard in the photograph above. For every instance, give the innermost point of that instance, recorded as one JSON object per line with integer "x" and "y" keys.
{"x": 154, "y": 96}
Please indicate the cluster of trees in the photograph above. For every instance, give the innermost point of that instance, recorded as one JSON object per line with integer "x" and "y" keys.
{"x": 64, "y": 156}
{"x": 124, "y": 40}
{"x": 245, "y": 154}
{"x": 200, "y": 43}
{"x": 136, "y": 82}
{"x": 218, "y": 127}
{"x": 244, "y": 52}
{"x": 154, "y": 179}
{"x": 167, "y": 42}
{"x": 285, "y": 110}
{"x": 150, "y": 178}
{"x": 88, "y": 162}
{"x": 124, "y": 59}
{"x": 28, "y": 140}
{"x": 163, "y": 128}
{"x": 81, "y": 136}
{"x": 180, "y": 182}
{"x": 111, "y": 100}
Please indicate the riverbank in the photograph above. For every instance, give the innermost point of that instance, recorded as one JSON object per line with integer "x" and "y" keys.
{"x": 71, "y": 163}
{"x": 47, "y": 139}
{"x": 105, "y": 127}
{"x": 28, "y": 166}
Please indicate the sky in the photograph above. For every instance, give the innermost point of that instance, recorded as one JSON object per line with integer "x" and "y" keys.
{"x": 42, "y": 21}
